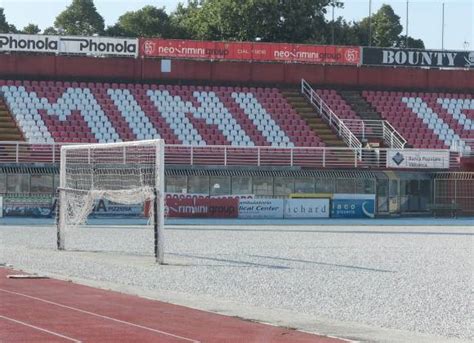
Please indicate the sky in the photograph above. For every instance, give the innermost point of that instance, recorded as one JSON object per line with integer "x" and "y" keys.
{"x": 425, "y": 16}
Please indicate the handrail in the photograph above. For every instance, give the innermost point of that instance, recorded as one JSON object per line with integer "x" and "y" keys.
{"x": 333, "y": 120}
{"x": 380, "y": 129}
{"x": 466, "y": 149}
{"x": 397, "y": 141}
{"x": 224, "y": 155}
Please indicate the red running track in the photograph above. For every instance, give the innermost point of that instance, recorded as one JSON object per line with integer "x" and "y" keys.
{"x": 47, "y": 310}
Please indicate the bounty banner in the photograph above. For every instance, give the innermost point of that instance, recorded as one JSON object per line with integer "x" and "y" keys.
{"x": 417, "y": 58}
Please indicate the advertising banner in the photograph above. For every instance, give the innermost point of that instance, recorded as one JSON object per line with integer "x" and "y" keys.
{"x": 78, "y": 45}
{"x": 29, "y": 43}
{"x": 261, "y": 209}
{"x": 307, "y": 208}
{"x": 353, "y": 206}
{"x": 106, "y": 208}
{"x": 246, "y": 51}
{"x": 197, "y": 207}
{"x": 29, "y": 206}
{"x": 417, "y": 159}
{"x": 99, "y": 46}
{"x": 417, "y": 58}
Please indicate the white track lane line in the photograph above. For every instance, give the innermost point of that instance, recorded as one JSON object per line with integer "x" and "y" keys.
{"x": 102, "y": 316}
{"x": 40, "y": 329}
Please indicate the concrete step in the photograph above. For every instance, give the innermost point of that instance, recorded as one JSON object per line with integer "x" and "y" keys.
{"x": 8, "y": 137}
{"x": 313, "y": 120}
{"x": 9, "y": 130}
{"x": 360, "y": 105}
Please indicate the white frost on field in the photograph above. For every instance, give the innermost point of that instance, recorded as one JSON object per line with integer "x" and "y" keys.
{"x": 416, "y": 279}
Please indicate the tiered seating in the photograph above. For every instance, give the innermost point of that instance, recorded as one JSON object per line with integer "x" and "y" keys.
{"x": 285, "y": 116}
{"x": 337, "y": 104}
{"x": 427, "y": 120}
{"x": 190, "y": 115}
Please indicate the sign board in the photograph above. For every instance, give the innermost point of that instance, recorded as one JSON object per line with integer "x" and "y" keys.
{"x": 99, "y": 46}
{"x": 417, "y": 58}
{"x": 29, "y": 206}
{"x": 78, "y": 45}
{"x": 417, "y": 159}
{"x": 307, "y": 208}
{"x": 249, "y": 51}
{"x": 261, "y": 208}
{"x": 202, "y": 207}
{"x": 353, "y": 206}
{"x": 29, "y": 43}
{"x": 106, "y": 208}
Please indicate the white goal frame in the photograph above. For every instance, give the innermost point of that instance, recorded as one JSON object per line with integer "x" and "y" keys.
{"x": 158, "y": 188}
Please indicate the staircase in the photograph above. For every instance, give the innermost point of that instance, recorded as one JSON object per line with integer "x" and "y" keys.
{"x": 313, "y": 120}
{"x": 360, "y": 105}
{"x": 8, "y": 129}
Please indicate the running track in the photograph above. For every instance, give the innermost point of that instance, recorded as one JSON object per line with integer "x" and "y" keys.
{"x": 47, "y": 310}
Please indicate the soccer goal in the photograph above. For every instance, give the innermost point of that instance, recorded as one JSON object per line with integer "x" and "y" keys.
{"x": 123, "y": 173}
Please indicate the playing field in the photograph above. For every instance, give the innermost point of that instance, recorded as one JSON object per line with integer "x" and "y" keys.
{"x": 383, "y": 283}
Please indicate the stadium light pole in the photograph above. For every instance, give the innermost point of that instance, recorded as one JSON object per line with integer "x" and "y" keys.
{"x": 332, "y": 31}
{"x": 370, "y": 22}
{"x": 406, "y": 32}
{"x": 442, "y": 27}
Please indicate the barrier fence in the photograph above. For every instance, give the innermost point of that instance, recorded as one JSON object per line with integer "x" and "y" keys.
{"x": 305, "y": 157}
{"x": 378, "y": 129}
{"x": 465, "y": 150}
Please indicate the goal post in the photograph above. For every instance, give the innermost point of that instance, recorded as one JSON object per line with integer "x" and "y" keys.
{"x": 124, "y": 173}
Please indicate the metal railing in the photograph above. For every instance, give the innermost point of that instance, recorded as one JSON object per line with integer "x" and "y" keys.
{"x": 331, "y": 118}
{"x": 222, "y": 155}
{"x": 466, "y": 150}
{"x": 378, "y": 129}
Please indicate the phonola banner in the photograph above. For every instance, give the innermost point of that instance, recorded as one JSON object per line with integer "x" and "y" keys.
{"x": 248, "y": 51}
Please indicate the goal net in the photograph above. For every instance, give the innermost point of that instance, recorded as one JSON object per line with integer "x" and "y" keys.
{"x": 124, "y": 173}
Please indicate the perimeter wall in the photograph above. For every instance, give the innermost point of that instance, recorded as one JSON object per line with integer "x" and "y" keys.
{"x": 51, "y": 67}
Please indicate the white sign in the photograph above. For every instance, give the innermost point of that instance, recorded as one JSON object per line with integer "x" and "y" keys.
{"x": 91, "y": 46}
{"x": 29, "y": 43}
{"x": 99, "y": 46}
{"x": 261, "y": 208}
{"x": 166, "y": 66}
{"x": 307, "y": 208}
{"x": 418, "y": 159}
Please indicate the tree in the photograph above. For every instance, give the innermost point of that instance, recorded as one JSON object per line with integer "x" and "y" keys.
{"x": 181, "y": 20}
{"x": 386, "y": 31}
{"x": 50, "y": 31}
{"x": 268, "y": 20}
{"x": 348, "y": 33}
{"x": 31, "y": 29}
{"x": 80, "y": 18}
{"x": 410, "y": 42}
{"x": 146, "y": 22}
{"x": 5, "y": 27}
{"x": 386, "y": 27}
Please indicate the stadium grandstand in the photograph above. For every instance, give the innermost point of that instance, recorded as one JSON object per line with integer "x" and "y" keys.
{"x": 267, "y": 129}
{"x": 300, "y": 184}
